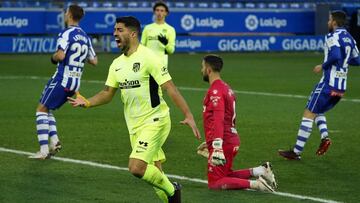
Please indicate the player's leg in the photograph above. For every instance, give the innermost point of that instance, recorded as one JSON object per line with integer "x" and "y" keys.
{"x": 53, "y": 97}
{"x": 42, "y": 128}
{"x": 146, "y": 145}
{"x": 55, "y": 145}
{"x": 160, "y": 193}
{"x": 320, "y": 120}
{"x": 312, "y": 106}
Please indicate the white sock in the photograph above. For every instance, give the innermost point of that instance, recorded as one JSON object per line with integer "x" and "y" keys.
{"x": 257, "y": 171}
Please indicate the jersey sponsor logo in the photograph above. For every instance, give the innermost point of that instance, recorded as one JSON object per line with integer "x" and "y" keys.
{"x": 136, "y": 67}
{"x": 340, "y": 74}
{"x": 215, "y": 100}
{"x": 129, "y": 84}
{"x": 142, "y": 143}
{"x": 164, "y": 71}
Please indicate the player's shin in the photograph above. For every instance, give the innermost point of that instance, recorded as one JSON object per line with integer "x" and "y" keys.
{"x": 157, "y": 179}
{"x": 42, "y": 127}
{"x": 303, "y": 134}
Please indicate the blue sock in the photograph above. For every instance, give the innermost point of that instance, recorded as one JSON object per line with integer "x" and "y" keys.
{"x": 320, "y": 121}
{"x": 42, "y": 127}
{"x": 303, "y": 134}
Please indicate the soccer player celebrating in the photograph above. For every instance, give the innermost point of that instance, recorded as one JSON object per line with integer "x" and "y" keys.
{"x": 340, "y": 51}
{"x": 222, "y": 139}
{"x": 160, "y": 36}
{"x": 139, "y": 73}
{"x": 73, "y": 49}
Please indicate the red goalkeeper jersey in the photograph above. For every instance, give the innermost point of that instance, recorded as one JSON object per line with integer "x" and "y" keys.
{"x": 219, "y": 114}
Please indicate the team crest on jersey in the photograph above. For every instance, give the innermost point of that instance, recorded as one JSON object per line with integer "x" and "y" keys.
{"x": 136, "y": 67}
{"x": 164, "y": 71}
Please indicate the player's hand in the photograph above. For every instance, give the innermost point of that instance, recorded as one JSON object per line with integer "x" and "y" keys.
{"x": 53, "y": 61}
{"x": 162, "y": 38}
{"x": 79, "y": 101}
{"x": 317, "y": 69}
{"x": 202, "y": 150}
{"x": 217, "y": 157}
{"x": 190, "y": 122}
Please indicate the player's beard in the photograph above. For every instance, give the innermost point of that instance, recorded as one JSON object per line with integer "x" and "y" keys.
{"x": 206, "y": 78}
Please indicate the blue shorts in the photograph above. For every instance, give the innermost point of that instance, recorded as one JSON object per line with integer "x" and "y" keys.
{"x": 54, "y": 95}
{"x": 323, "y": 98}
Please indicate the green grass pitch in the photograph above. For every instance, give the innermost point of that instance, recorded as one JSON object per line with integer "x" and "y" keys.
{"x": 265, "y": 123}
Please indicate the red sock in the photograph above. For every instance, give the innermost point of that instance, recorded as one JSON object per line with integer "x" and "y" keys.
{"x": 243, "y": 173}
{"x": 230, "y": 183}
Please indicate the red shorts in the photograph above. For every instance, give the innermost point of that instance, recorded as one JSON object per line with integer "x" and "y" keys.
{"x": 217, "y": 172}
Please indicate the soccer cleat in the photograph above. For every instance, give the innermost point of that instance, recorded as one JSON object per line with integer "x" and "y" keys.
{"x": 289, "y": 154}
{"x": 262, "y": 185}
{"x": 54, "y": 149}
{"x": 269, "y": 175}
{"x": 176, "y": 198}
{"x": 324, "y": 146}
{"x": 40, "y": 155}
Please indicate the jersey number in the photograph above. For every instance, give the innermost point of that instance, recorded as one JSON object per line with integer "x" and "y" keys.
{"x": 347, "y": 52}
{"x": 79, "y": 55}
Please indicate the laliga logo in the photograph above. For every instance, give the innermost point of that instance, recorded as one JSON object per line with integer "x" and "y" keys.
{"x": 110, "y": 19}
{"x": 14, "y": 22}
{"x": 251, "y": 22}
{"x": 187, "y": 22}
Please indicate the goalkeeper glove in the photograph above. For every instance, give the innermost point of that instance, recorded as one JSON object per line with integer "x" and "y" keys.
{"x": 217, "y": 156}
{"x": 87, "y": 103}
{"x": 162, "y": 39}
{"x": 53, "y": 61}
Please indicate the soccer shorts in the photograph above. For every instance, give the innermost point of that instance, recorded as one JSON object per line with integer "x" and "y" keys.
{"x": 323, "y": 98}
{"x": 217, "y": 172}
{"x": 146, "y": 143}
{"x": 54, "y": 95}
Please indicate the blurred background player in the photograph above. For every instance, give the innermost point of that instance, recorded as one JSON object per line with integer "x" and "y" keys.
{"x": 222, "y": 139}
{"x": 160, "y": 36}
{"x": 74, "y": 48}
{"x": 340, "y": 51}
{"x": 139, "y": 73}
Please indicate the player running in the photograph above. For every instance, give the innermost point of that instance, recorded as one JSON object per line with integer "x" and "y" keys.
{"x": 340, "y": 51}
{"x": 74, "y": 48}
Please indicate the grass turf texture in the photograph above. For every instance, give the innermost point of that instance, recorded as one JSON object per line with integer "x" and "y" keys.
{"x": 265, "y": 123}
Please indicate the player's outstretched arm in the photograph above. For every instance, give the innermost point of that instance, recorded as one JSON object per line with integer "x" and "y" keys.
{"x": 180, "y": 102}
{"x": 93, "y": 61}
{"x": 103, "y": 97}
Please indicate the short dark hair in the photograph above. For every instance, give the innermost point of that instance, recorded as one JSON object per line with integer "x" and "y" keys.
{"x": 130, "y": 22}
{"x": 77, "y": 12}
{"x": 161, "y": 3}
{"x": 214, "y": 61}
{"x": 339, "y": 17}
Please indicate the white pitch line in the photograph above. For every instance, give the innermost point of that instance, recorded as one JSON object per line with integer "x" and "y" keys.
{"x": 196, "y": 180}
{"x": 189, "y": 88}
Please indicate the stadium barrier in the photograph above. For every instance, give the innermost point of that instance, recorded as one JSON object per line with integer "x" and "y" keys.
{"x": 47, "y": 44}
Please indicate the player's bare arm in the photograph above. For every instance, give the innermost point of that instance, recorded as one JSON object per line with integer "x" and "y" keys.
{"x": 317, "y": 69}
{"x": 93, "y": 61}
{"x": 58, "y": 56}
{"x": 180, "y": 102}
{"x": 103, "y": 97}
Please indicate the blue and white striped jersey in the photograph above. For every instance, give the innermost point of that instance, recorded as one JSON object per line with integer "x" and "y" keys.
{"x": 339, "y": 50}
{"x": 77, "y": 48}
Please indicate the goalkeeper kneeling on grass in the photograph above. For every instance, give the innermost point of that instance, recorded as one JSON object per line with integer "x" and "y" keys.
{"x": 222, "y": 141}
